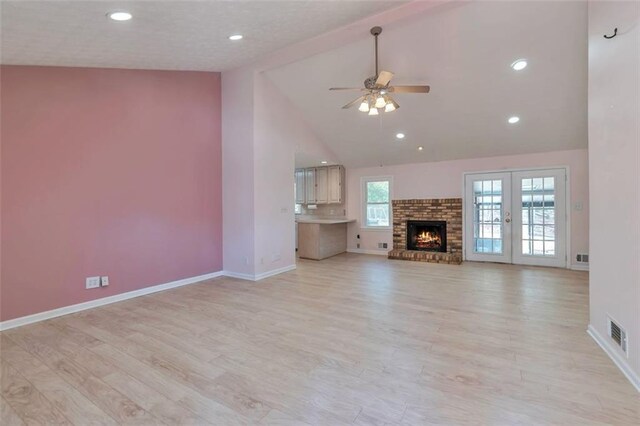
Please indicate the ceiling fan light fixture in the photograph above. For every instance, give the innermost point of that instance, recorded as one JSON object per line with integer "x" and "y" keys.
{"x": 380, "y": 102}
{"x": 364, "y": 106}
{"x": 373, "y": 111}
{"x": 389, "y": 107}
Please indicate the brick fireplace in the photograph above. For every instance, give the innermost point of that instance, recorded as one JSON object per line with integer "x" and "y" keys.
{"x": 424, "y": 225}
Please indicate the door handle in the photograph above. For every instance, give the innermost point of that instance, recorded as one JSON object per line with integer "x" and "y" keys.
{"x": 507, "y": 220}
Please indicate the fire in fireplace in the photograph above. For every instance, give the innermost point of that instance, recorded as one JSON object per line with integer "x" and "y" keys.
{"x": 427, "y": 235}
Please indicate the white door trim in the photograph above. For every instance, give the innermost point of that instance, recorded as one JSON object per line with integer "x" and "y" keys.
{"x": 522, "y": 169}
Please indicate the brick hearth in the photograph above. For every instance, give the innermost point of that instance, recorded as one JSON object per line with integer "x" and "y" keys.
{"x": 447, "y": 209}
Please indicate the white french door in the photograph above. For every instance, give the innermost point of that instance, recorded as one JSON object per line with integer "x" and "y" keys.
{"x": 488, "y": 216}
{"x": 516, "y": 217}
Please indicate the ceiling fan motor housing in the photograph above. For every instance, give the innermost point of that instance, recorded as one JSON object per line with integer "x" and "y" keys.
{"x": 370, "y": 83}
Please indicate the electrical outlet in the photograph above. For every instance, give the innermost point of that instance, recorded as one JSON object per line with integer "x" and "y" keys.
{"x": 104, "y": 281}
{"x": 92, "y": 282}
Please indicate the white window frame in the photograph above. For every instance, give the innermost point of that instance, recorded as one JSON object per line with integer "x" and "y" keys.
{"x": 363, "y": 201}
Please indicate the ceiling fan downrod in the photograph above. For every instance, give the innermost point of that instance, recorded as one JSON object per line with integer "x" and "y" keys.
{"x": 376, "y": 31}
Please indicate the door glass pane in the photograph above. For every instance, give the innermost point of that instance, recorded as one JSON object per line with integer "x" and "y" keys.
{"x": 538, "y": 216}
{"x": 487, "y": 216}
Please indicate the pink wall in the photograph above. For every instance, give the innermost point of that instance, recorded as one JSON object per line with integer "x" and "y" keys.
{"x": 444, "y": 179}
{"x": 106, "y": 172}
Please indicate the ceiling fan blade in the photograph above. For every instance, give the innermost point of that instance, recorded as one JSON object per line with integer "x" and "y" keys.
{"x": 409, "y": 89}
{"x": 346, "y": 88}
{"x": 384, "y": 78}
{"x": 353, "y": 102}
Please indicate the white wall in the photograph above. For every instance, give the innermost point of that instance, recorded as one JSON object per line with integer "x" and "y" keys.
{"x": 614, "y": 157}
{"x": 279, "y": 133}
{"x": 261, "y": 135}
{"x": 445, "y": 179}
{"x": 237, "y": 172}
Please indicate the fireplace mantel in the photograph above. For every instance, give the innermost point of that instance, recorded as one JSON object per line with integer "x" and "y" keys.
{"x": 448, "y": 210}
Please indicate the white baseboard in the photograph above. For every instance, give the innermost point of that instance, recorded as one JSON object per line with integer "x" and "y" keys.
{"x": 258, "y": 277}
{"x": 580, "y": 267}
{"x": 65, "y": 310}
{"x": 382, "y": 252}
{"x": 248, "y": 277}
{"x": 268, "y": 274}
{"x": 617, "y": 359}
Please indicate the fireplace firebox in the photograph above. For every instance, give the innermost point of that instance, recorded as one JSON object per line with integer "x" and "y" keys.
{"x": 426, "y": 235}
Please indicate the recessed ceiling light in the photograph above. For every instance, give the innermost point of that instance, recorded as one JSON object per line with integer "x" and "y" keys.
{"x": 513, "y": 120}
{"x": 420, "y": 148}
{"x": 323, "y": 162}
{"x": 235, "y": 37}
{"x": 400, "y": 135}
{"x": 520, "y": 64}
{"x": 120, "y": 16}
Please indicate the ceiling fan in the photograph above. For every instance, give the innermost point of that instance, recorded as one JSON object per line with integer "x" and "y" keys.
{"x": 377, "y": 89}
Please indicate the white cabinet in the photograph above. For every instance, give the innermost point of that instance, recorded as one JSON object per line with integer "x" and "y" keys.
{"x": 310, "y": 185}
{"x": 300, "y": 186}
{"x": 335, "y": 184}
{"x": 320, "y": 185}
{"x": 322, "y": 190}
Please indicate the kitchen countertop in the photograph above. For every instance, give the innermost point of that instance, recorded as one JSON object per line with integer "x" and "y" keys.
{"x": 325, "y": 221}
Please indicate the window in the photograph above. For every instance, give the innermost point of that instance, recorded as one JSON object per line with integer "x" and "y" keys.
{"x": 377, "y": 202}
{"x": 298, "y": 209}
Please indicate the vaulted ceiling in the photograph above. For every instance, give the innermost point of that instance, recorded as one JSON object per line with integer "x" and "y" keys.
{"x": 170, "y": 35}
{"x": 464, "y": 52}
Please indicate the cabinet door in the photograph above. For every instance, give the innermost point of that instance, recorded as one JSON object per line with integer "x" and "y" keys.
{"x": 335, "y": 184}
{"x": 310, "y": 185}
{"x": 322, "y": 190}
{"x": 300, "y": 187}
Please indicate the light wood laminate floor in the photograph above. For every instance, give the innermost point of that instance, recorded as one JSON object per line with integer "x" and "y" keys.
{"x": 351, "y": 339}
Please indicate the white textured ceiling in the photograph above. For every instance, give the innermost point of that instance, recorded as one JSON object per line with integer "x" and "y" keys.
{"x": 171, "y": 35}
{"x": 464, "y": 52}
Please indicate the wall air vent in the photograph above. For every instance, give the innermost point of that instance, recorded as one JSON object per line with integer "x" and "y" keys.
{"x": 618, "y": 335}
{"x": 582, "y": 258}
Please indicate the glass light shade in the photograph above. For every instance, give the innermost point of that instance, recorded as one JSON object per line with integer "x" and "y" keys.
{"x": 389, "y": 107}
{"x": 373, "y": 111}
{"x": 364, "y": 106}
{"x": 380, "y": 102}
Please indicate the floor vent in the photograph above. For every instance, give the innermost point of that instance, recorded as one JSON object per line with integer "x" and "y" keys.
{"x": 618, "y": 335}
